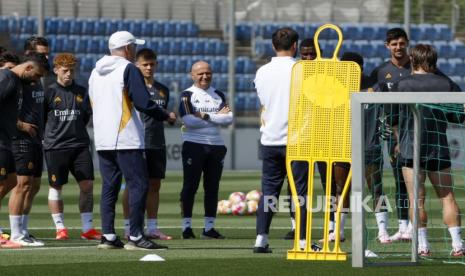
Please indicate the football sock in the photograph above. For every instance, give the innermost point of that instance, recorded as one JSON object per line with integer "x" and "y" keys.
{"x": 152, "y": 225}
{"x": 58, "y": 220}
{"x": 186, "y": 223}
{"x": 293, "y": 223}
{"x": 126, "y": 227}
{"x": 25, "y": 226}
{"x": 209, "y": 223}
{"x": 86, "y": 221}
{"x": 403, "y": 225}
{"x": 382, "y": 220}
{"x": 16, "y": 227}
{"x": 331, "y": 226}
{"x": 343, "y": 222}
{"x": 110, "y": 237}
{"x": 422, "y": 237}
{"x": 456, "y": 237}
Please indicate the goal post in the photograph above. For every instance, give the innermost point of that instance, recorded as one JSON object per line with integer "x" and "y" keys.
{"x": 412, "y": 99}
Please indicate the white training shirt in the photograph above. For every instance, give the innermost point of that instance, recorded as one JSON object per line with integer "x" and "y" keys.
{"x": 210, "y": 101}
{"x": 273, "y": 85}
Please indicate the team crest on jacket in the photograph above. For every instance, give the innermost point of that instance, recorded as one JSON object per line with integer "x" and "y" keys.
{"x": 388, "y": 76}
{"x": 79, "y": 98}
{"x": 162, "y": 93}
{"x": 57, "y": 99}
{"x": 2, "y": 171}
{"x": 30, "y": 166}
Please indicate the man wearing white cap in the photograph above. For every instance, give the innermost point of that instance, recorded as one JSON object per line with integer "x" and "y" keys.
{"x": 118, "y": 93}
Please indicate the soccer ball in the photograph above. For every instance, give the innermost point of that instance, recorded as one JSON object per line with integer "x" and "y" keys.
{"x": 252, "y": 206}
{"x": 236, "y": 197}
{"x": 253, "y": 195}
{"x": 224, "y": 207}
{"x": 239, "y": 208}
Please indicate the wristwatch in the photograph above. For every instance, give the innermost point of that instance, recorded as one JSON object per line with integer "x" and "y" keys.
{"x": 205, "y": 117}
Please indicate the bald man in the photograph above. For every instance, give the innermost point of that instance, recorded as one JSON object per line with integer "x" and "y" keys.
{"x": 203, "y": 110}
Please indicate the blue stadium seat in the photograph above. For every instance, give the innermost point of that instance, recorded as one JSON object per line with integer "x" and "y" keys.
{"x": 367, "y": 32}
{"x": 380, "y": 32}
{"x": 123, "y": 25}
{"x": 445, "y": 33}
{"x": 75, "y": 26}
{"x": 249, "y": 66}
{"x": 181, "y": 64}
{"x": 93, "y": 45}
{"x": 135, "y": 27}
{"x": 163, "y": 47}
{"x": 445, "y": 50}
{"x": 87, "y": 26}
{"x": 175, "y": 47}
{"x": 100, "y": 27}
{"x": 170, "y": 65}
{"x": 186, "y": 46}
{"x": 210, "y": 47}
{"x": 63, "y": 25}
{"x": 239, "y": 102}
{"x": 146, "y": 28}
{"x": 446, "y": 67}
{"x": 198, "y": 47}
{"x": 216, "y": 66}
{"x": 81, "y": 44}
{"x": 192, "y": 30}
{"x": 69, "y": 44}
{"x": 4, "y": 24}
{"x": 111, "y": 26}
{"x": 86, "y": 63}
{"x": 251, "y": 102}
{"x": 60, "y": 42}
{"x": 181, "y": 29}
{"x": 243, "y": 32}
{"x": 350, "y": 31}
{"x": 221, "y": 48}
{"x": 29, "y": 25}
{"x": 169, "y": 29}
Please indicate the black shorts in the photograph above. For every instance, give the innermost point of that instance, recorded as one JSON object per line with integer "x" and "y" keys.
{"x": 156, "y": 162}
{"x": 61, "y": 162}
{"x": 436, "y": 164}
{"x": 7, "y": 164}
{"x": 29, "y": 158}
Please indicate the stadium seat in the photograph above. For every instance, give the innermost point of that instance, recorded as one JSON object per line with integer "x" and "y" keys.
{"x": 446, "y": 67}
{"x": 181, "y": 64}
{"x": 135, "y": 27}
{"x": 445, "y": 33}
{"x": 350, "y": 31}
{"x": 192, "y": 30}
{"x": 367, "y": 32}
{"x": 69, "y": 44}
{"x": 198, "y": 47}
{"x": 239, "y": 101}
{"x": 221, "y": 48}
{"x": 181, "y": 29}
{"x": 63, "y": 25}
{"x": 174, "y": 47}
{"x": 75, "y": 26}
{"x": 169, "y": 29}
{"x": 210, "y": 47}
{"x": 29, "y": 25}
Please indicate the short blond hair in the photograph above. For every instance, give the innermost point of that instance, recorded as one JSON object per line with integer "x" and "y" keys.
{"x": 65, "y": 60}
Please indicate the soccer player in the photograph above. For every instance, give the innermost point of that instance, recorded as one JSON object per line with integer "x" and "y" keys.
{"x": 203, "y": 110}
{"x": 66, "y": 145}
{"x": 373, "y": 158}
{"x": 27, "y": 147}
{"x": 155, "y": 148}
{"x": 11, "y": 93}
{"x": 272, "y": 83}
{"x": 434, "y": 153}
{"x": 118, "y": 93}
{"x": 385, "y": 76}
{"x": 8, "y": 60}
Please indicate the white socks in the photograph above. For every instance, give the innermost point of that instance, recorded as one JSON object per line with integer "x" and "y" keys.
{"x": 262, "y": 240}
{"x": 110, "y": 237}
{"x": 331, "y": 225}
{"x": 455, "y": 233}
{"x": 25, "y": 226}
{"x": 293, "y": 223}
{"x": 423, "y": 238}
{"x": 126, "y": 227}
{"x": 382, "y": 221}
{"x": 152, "y": 225}
{"x": 186, "y": 223}
{"x": 58, "y": 220}
{"x": 86, "y": 221}
{"x": 209, "y": 223}
{"x": 403, "y": 225}
{"x": 343, "y": 222}
{"x": 16, "y": 227}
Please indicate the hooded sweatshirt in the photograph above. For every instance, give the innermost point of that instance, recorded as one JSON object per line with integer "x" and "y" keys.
{"x": 117, "y": 92}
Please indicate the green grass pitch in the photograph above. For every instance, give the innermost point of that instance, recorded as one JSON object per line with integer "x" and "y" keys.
{"x": 232, "y": 256}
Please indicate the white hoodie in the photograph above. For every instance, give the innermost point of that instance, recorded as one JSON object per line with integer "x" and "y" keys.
{"x": 117, "y": 124}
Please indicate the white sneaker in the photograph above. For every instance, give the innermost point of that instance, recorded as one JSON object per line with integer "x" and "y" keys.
{"x": 27, "y": 241}
{"x": 458, "y": 251}
{"x": 424, "y": 251}
{"x": 384, "y": 238}
{"x": 401, "y": 236}
{"x": 332, "y": 237}
{"x": 370, "y": 254}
